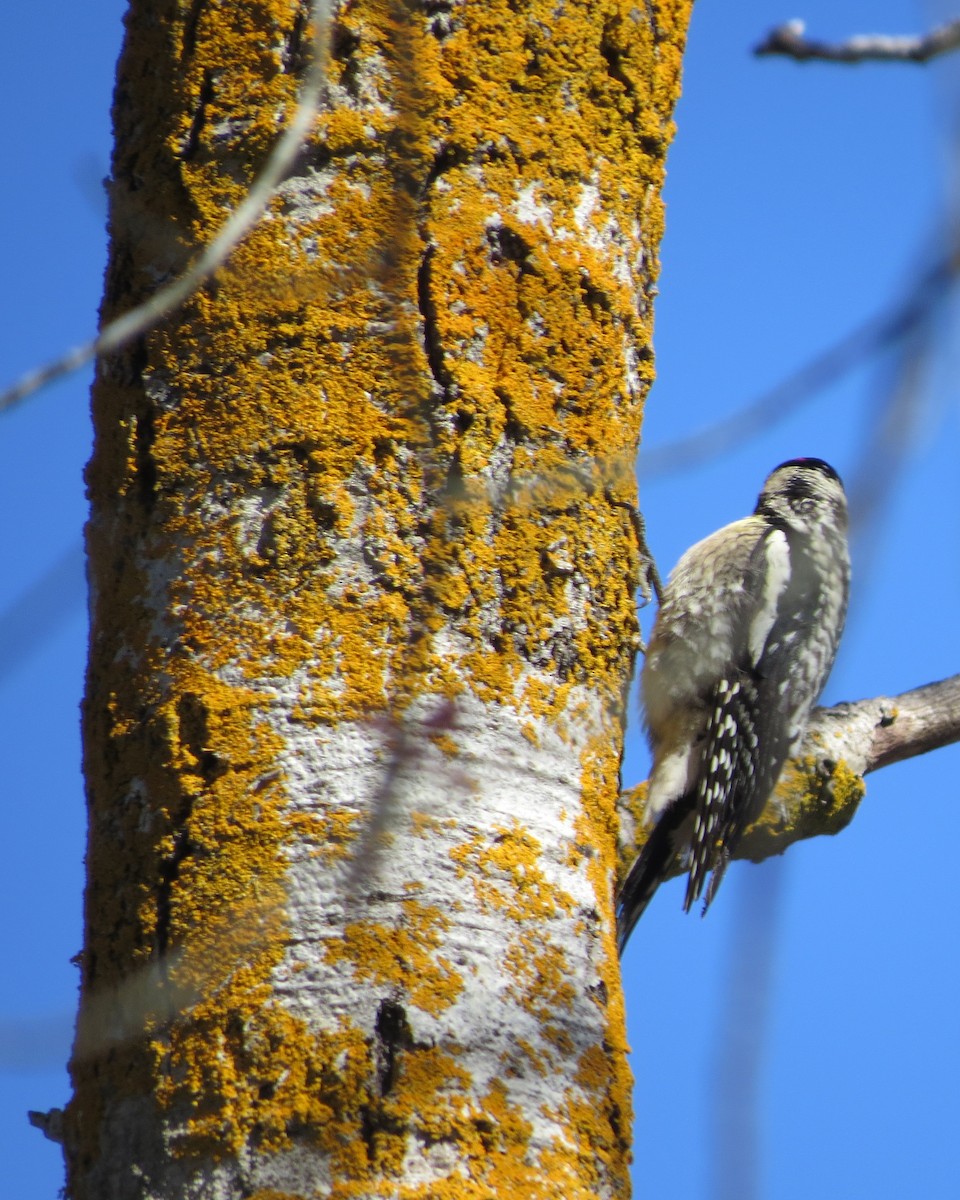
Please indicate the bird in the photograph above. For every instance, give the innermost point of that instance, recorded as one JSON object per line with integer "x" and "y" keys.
{"x": 745, "y": 637}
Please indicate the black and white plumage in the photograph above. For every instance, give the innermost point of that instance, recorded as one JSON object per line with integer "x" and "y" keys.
{"x": 744, "y": 641}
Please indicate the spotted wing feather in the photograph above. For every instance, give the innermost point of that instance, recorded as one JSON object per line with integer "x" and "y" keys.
{"x": 728, "y": 778}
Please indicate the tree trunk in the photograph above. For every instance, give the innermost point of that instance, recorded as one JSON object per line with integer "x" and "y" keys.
{"x": 363, "y": 556}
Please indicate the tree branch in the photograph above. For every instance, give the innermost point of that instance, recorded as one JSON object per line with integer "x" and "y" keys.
{"x": 820, "y": 790}
{"x": 912, "y": 723}
{"x": 790, "y": 40}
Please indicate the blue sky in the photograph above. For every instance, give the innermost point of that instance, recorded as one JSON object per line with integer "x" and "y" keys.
{"x": 801, "y": 200}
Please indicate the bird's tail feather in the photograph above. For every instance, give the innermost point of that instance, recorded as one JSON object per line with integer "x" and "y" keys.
{"x": 650, "y": 869}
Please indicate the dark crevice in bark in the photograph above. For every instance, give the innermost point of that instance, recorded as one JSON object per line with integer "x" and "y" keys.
{"x": 513, "y": 428}
{"x": 509, "y": 245}
{"x": 295, "y": 55}
{"x": 613, "y": 57}
{"x": 146, "y": 467}
{"x": 432, "y": 342}
{"x": 446, "y": 159}
{"x": 344, "y": 44}
{"x": 596, "y": 299}
{"x": 393, "y": 1035}
{"x": 199, "y": 117}
{"x": 195, "y": 737}
{"x": 190, "y": 29}
{"x": 209, "y": 767}
{"x": 168, "y": 872}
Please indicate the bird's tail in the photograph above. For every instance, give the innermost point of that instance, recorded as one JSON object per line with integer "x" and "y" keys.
{"x": 650, "y": 869}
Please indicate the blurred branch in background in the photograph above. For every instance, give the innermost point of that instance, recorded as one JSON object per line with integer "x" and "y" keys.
{"x": 880, "y": 332}
{"x": 35, "y": 1043}
{"x": 790, "y": 41}
{"x": 889, "y": 434}
{"x": 743, "y": 1025}
{"x": 41, "y": 608}
{"x": 148, "y": 314}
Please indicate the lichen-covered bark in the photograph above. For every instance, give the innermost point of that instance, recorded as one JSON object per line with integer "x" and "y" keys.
{"x": 363, "y": 561}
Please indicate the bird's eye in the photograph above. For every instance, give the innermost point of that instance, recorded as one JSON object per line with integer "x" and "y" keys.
{"x": 802, "y": 504}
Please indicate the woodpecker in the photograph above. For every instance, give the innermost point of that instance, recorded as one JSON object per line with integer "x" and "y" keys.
{"x": 745, "y": 638}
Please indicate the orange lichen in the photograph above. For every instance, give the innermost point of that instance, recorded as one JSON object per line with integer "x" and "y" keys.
{"x": 506, "y": 875}
{"x": 405, "y": 955}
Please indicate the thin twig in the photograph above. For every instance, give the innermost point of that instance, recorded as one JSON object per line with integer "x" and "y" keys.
{"x": 790, "y": 41}
{"x": 147, "y": 315}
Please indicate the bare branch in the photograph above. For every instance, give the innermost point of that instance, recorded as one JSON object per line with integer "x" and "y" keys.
{"x": 870, "y": 734}
{"x": 915, "y": 723}
{"x": 148, "y": 314}
{"x": 790, "y": 41}
{"x": 820, "y": 790}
